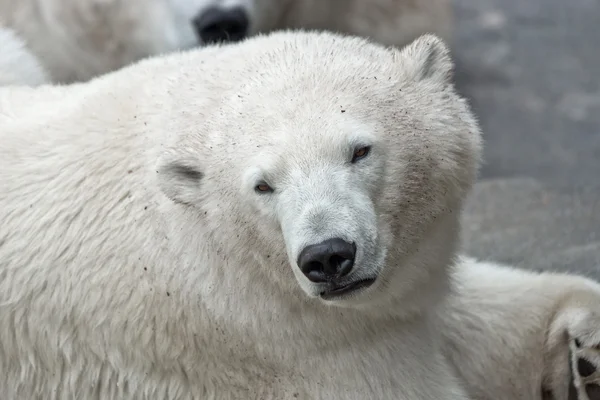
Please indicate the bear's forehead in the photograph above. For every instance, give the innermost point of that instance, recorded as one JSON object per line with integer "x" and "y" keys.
{"x": 295, "y": 128}
{"x": 294, "y": 111}
{"x": 300, "y": 129}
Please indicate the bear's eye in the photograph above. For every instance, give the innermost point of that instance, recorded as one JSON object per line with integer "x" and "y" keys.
{"x": 360, "y": 153}
{"x": 263, "y": 187}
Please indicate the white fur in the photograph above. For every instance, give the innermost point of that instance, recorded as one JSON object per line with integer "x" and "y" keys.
{"x": 509, "y": 331}
{"x": 137, "y": 260}
{"x": 17, "y": 65}
{"x": 77, "y": 40}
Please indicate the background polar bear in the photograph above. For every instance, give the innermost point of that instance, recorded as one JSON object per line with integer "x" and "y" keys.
{"x": 79, "y": 39}
{"x": 17, "y": 64}
{"x": 277, "y": 218}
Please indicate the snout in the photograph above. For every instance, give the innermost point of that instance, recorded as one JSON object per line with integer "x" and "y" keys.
{"x": 217, "y": 24}
{"x": 327, "y": 261}
{"x": 329, "y": 264}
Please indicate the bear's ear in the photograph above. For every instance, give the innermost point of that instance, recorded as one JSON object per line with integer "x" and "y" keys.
{"x": 180, "y": 178}
{"x": 427, "y": 58}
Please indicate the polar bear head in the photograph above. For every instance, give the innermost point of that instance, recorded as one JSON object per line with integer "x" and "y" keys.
{"x": 329, "y": 169}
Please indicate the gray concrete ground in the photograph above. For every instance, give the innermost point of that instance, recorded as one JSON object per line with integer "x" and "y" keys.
{"x": 531, "y": 69}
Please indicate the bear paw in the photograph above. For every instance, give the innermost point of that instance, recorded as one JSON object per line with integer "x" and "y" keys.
{"x": 585, "y": 367}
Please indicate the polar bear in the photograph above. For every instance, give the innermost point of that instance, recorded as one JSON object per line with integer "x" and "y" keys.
{"x": 77, "y": 40}
{"x": 271, "y": 219}
{"x": 18, "y": 66}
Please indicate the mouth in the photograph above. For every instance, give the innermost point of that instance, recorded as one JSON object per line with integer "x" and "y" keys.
{"x": 335, "y": 292}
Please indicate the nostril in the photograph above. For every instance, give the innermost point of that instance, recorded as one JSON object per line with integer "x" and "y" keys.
{"x": 339, "y": 265}
{"x": 345, "y": 267}
{"x": 317, "y": 275}
{"x": 313, "y": 270}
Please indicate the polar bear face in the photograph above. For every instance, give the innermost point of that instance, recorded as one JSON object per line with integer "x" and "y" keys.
{"x": 319, "y": 187}
{"x": 335, "y": 166}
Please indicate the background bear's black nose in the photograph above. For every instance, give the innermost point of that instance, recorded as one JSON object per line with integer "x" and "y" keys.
{"x": 328, "y": 260}
{"x": 222, "y": 25}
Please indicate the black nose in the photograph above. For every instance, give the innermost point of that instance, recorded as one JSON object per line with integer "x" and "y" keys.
{"x": 328, "y": 260}
{"x": 222, "y": 25}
